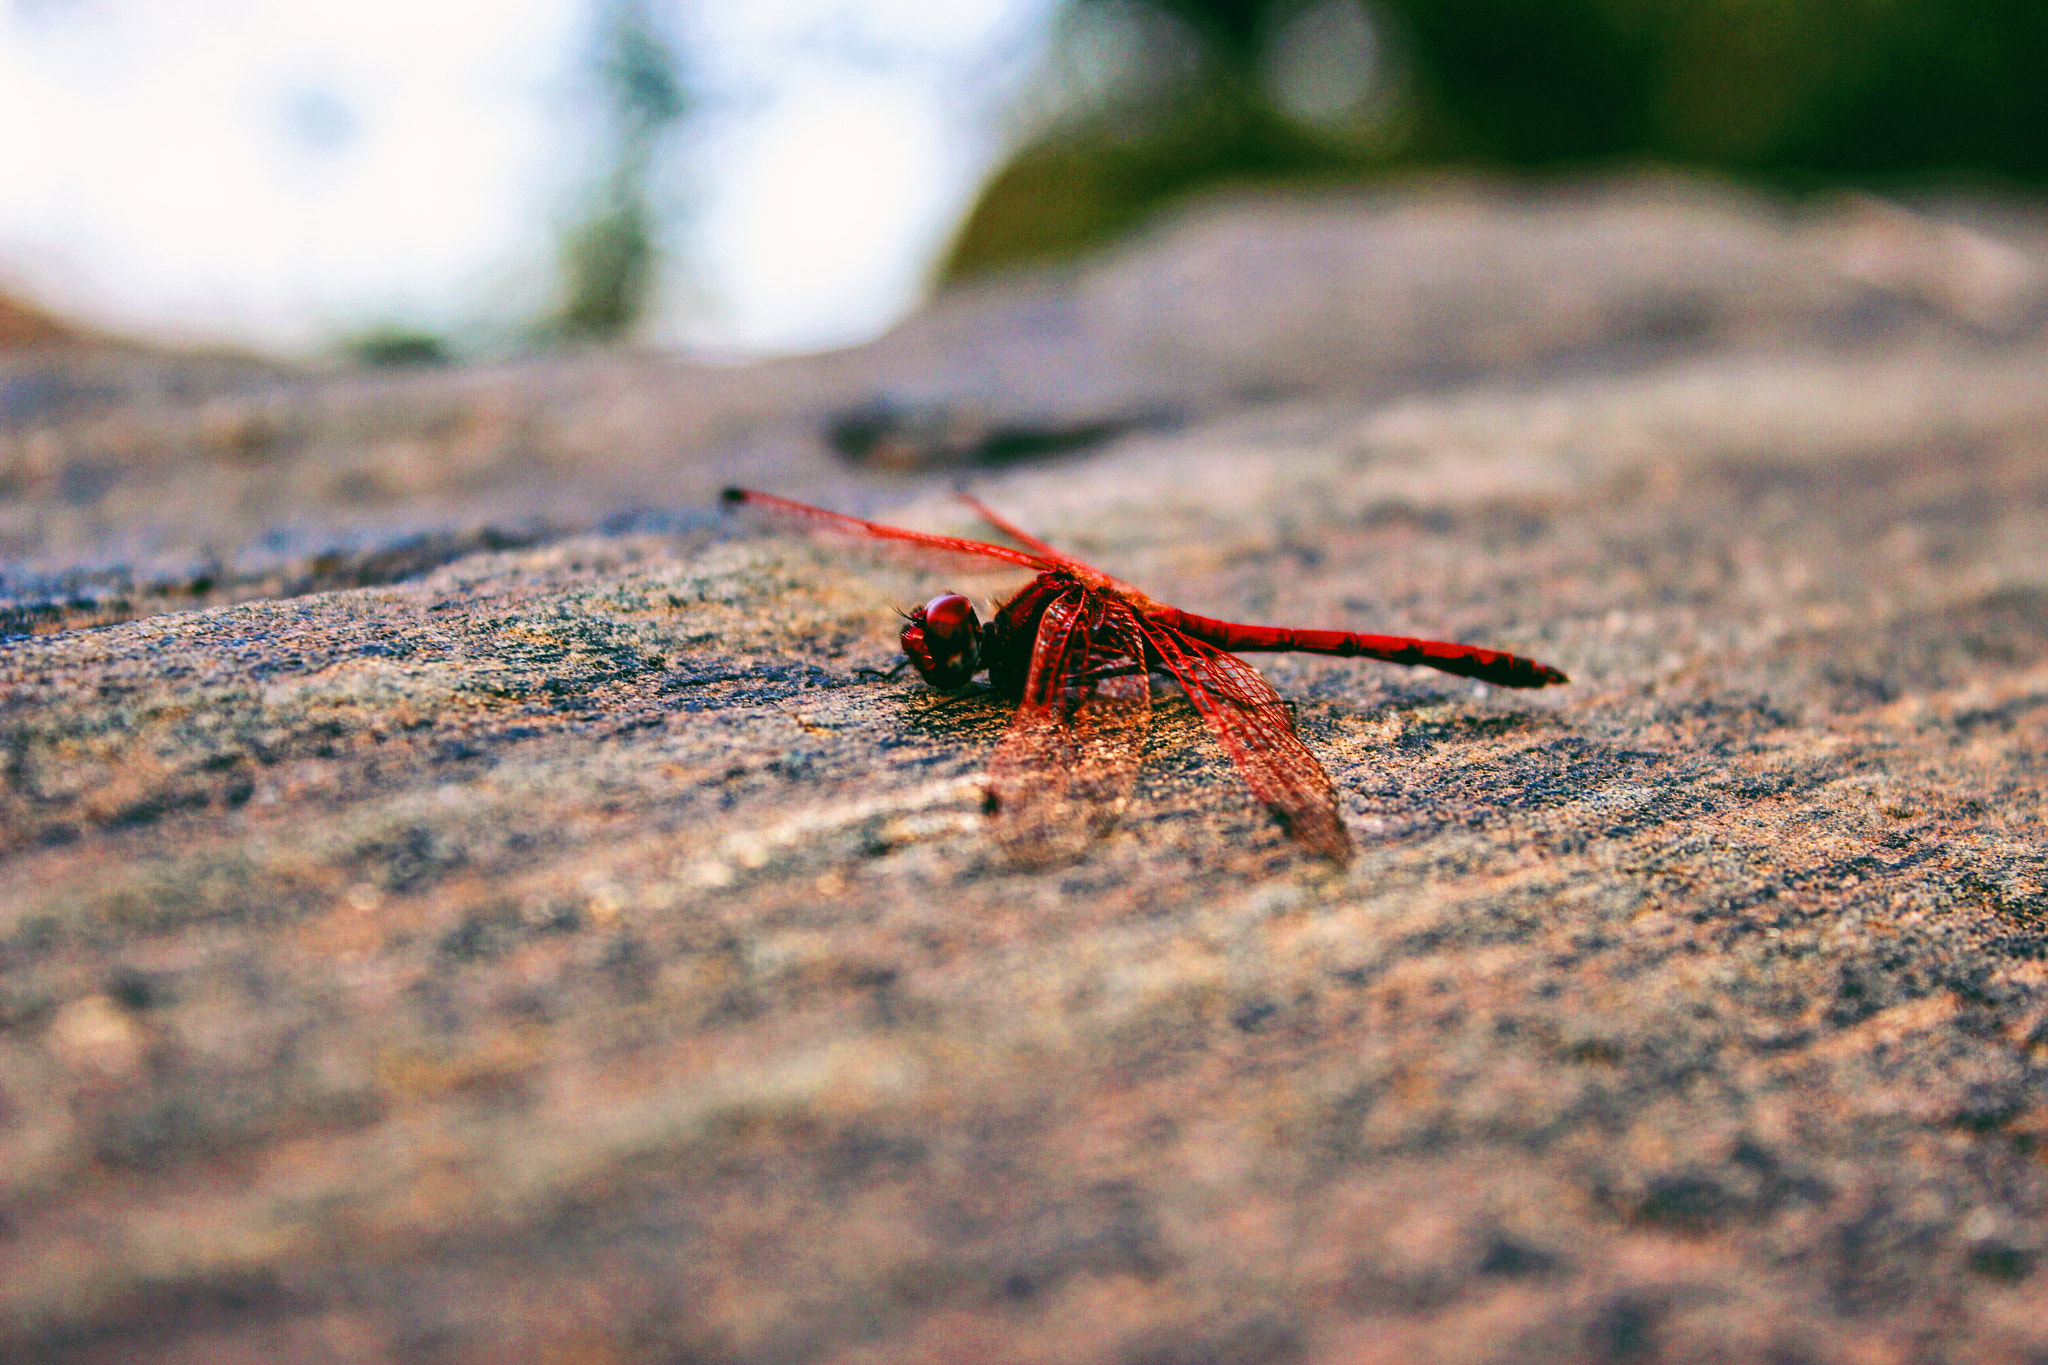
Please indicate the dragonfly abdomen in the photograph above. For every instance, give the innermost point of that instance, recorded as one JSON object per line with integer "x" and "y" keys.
{"x": 1467, "y": 661}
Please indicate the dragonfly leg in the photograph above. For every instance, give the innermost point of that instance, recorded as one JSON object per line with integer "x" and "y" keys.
{"x": 901, "y": 664}
{"x": 938, "y": 699}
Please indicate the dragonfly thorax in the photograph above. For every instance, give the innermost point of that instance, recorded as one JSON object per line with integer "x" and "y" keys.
{"x": 943, "y": 641}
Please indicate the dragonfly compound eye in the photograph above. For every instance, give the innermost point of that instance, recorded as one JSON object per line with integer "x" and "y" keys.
{"x": 943, "y": 641}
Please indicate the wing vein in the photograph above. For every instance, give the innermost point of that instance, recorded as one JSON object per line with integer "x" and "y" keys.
{"x": 1067, "y": 762}
{"x": 1249, "y": 720}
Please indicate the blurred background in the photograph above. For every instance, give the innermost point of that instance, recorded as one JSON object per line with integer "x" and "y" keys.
{"x": 361, "y": 179}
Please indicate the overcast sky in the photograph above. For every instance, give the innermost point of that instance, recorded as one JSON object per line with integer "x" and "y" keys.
{"x": 283, "y": 173}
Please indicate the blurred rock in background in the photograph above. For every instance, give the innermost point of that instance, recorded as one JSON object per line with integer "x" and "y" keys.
{"x": 24, "y": 326}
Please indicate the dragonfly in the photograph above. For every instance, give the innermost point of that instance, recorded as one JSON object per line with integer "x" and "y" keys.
{"x": 1078, "y": 650}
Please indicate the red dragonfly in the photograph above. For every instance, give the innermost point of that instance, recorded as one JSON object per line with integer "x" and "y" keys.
{"x": 1078, "y": 649}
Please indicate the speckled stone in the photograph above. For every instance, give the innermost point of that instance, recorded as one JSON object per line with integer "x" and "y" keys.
{"x": 580, "y": 951}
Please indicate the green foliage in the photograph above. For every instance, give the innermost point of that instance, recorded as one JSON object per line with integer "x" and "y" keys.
{"x": 1796, "y": 92}
{"x": 609, "y": 253}
{"x": 607, "y": 267}
{"x": 397, "y": 347}
{"x": 1805, "y": 88}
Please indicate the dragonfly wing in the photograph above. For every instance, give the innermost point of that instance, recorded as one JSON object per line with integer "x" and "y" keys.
{"x": 1250, "y": 721}
{"x": 804, "y": 514}
{"x": 1051, "y": 553}
{"x": 1017, "y": 533}
{"x": 1067, "y": 763}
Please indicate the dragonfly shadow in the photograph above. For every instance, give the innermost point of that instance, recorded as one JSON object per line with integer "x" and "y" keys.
{"x": 975, "y": 715}
{"x": 1187, "y": 804}
{"x": 1190, "y": 802}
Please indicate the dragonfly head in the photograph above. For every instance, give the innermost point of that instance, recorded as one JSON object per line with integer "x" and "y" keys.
{"x": 943, "y": 640}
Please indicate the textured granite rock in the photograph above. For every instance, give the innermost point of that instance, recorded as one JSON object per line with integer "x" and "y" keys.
{"x": 577, "y": 950}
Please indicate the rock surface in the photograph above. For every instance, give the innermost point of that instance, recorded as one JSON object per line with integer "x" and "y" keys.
{"x": 570, "y": 947}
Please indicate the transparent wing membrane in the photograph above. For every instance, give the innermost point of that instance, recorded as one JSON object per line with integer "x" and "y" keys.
{"x": 1018, "y": 534}
{"x": 1250, "y": 721}
{"x": 1055, "y": 555}
{"x": 807, "y": 515}
{"x": 1066, "y": 765}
